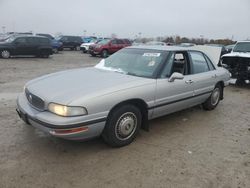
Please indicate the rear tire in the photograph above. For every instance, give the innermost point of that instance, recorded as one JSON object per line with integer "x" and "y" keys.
{"x": 44, "y": 54}
{"x": 122, "y": 126}
{"x": 5, "y": 54}
{"x": 214, "y": 98}
{"x": 77, "y": 48}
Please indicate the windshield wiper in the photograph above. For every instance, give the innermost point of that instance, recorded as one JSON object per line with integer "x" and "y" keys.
{"x": 134, "y": 74}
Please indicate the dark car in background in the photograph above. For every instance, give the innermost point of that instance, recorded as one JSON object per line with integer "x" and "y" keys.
{"x": 26, "y": 45}
{"x": 72, "y": 42}
{"x": 55, "y": 44}
{"x": 108, "y": 46}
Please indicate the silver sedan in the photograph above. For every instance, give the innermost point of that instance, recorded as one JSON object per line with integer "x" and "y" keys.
{"x": 119, "y": 95}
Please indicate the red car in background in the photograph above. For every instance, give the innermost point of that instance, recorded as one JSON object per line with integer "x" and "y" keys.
{"x": 108, "y": 46}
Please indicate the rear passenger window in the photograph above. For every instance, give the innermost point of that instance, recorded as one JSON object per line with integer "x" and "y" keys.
{"x": 120, "y": 42}
{"x": 43, "y": 41}
{"x": 114, "y": 42}
{"x": 199, "y": 63}
{"x": 210, "y": 64}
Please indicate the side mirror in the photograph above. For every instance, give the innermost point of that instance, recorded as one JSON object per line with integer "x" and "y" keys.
{"x": 175, "y": 76}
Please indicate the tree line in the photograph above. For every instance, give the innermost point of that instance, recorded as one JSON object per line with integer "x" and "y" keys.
{"x": 179, "y": 39}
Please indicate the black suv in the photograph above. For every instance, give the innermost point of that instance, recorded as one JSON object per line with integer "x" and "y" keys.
{"x": 72, "y": 42}
{"x": 26, "y": 45}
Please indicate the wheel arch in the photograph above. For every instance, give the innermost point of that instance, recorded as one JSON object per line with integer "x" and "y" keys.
{"x": 139, "y": 103}
{"x": 105, "y": 49}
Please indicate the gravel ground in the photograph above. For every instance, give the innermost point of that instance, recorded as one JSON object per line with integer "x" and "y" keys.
{"x": 191, "y": 148}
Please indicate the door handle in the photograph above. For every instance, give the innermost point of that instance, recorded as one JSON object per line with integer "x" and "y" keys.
{"x": 189, "y": 81}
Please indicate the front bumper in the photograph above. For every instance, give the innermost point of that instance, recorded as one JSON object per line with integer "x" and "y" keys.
{"x": 95, "y": 51}
{"x": 71, "y": 128}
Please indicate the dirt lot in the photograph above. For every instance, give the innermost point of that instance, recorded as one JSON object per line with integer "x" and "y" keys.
{"x": 192, "y": 148}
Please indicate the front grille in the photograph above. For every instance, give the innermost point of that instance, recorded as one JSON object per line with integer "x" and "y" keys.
{"x": 34, "y": 100}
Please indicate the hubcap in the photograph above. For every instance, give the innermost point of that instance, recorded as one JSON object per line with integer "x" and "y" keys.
{"x": 126, "y": 126}
{"x": 5, "y": 54}
{"x": 215, "y": 96}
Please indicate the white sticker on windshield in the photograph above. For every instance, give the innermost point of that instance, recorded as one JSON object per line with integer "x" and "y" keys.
{"x": 151, "y": 54}
{"x": 151, "y": 63}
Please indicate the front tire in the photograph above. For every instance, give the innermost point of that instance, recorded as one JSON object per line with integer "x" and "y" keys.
{"x": 55, "y": 50}
{"x": 5, "y": 54}
{"x": 214, "y": 98}
{"x": 104, "y": 53}
{"x": 122, "y": 126}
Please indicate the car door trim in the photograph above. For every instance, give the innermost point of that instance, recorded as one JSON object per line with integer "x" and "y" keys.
{"x": 179, "y": 100}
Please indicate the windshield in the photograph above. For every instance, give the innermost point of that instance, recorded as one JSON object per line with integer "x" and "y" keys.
{"x": 104, "y": 41}
{"x": 242, "y": 47}
{"x": 136, "y": 62}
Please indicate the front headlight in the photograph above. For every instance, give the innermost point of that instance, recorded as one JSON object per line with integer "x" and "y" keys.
{"x": 66, "y": 111}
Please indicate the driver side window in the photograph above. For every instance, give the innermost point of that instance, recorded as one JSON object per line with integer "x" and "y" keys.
{"x": 176, "y": 63}
{"x": 20, "y": 40}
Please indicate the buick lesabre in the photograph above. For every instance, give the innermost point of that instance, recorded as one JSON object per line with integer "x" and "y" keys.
{"x": 119, "y": 95}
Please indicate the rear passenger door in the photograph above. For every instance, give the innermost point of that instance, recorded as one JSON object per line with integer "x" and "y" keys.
{"x": 204, "y": 74}
{"x": 121, "y": 44}
{"x": 113, "y": 46}
{"x": 32, "y": 45}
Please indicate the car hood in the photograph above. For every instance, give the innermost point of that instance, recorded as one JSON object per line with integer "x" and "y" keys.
{"x": 237, "y": 54}
{"x": 66, "y": 86}
{"x": 87, "y": 44}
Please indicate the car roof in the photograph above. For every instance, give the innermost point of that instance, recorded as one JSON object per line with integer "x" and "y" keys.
{"x": 36, "y": 36}
{"x": 247, "y": 41}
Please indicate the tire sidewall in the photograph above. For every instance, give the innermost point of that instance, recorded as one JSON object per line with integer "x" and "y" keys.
{"x": 208, "y": 104}
{"x": 109, "y": 130}
{"x": 104, "y": 54}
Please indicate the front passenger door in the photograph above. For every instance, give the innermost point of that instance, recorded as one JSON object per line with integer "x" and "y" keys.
{"x": 21, "y": 46}
{"x": 176, "y": 95}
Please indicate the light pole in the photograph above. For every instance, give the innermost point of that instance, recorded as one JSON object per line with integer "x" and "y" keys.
{"x": 3, "y": 27}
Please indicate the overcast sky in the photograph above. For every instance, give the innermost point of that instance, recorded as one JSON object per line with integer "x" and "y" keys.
{"x": 126, "y": 18}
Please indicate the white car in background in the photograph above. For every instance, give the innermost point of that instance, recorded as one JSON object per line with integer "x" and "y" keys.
{"x": 85, "y": 46}
{"x": 156, "y": 43}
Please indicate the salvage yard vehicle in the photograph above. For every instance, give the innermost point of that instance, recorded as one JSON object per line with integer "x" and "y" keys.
{"x": 55, "y": 44}
{"x": 85, "y": 46}
{"x": 238, "y": 62}
{"x": 72, "y": 42}
{"x": 26, "y": 45}
{"x": 108, "y": 46}
{"x": 126, "y": 90}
